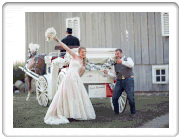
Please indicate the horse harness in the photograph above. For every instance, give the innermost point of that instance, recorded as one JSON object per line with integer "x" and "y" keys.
{"x": 36, "y": 61}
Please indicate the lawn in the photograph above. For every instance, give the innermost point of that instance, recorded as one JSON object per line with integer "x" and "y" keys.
{"x": 29, "y": 114}
{"x": 166, "y": 126}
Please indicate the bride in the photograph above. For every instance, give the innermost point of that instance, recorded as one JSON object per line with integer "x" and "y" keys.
{"x": 71, "y": 100}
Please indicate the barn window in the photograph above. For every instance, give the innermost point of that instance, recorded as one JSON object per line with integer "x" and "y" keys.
{"x": 165, "y": 23}
{"x": 160, "y": 74}
{"x": 74, "y": 23}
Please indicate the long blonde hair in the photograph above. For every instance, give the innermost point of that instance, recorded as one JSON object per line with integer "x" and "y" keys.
{"x": 84, "y": 59}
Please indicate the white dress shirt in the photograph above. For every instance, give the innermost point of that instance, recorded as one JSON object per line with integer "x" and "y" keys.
{"x": 129, "y": 63}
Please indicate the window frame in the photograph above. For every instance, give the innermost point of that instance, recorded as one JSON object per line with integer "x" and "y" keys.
{"x": 162, "y": 24}
{"x": 157, "y": 67}
{"x": 72, "y": 19}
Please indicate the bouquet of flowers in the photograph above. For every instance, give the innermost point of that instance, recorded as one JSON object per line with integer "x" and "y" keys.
{"x": 58, "y": 61}
{"x": 50, "y": 34}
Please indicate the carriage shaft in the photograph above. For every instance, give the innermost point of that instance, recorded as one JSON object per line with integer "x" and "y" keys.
{"x": 29, "y": 73}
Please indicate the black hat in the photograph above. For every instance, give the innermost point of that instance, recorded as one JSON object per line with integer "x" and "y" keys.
{"x": 69, "y": 30}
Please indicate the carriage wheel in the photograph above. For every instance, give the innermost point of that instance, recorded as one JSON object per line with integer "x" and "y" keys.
{"x": 42, "y": 91}
{"x": 122, "y": 102}
{"x": 60, "y": 78}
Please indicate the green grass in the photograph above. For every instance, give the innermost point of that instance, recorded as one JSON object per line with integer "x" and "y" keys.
{"x": 30, "y": 114}
{"x": 166, "y": 126}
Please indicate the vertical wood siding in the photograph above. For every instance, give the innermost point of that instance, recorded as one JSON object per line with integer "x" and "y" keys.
{"x": 88, "y": 30}
{"x": 123, "y": 32}
{"x": 137, "y": 34}
{"x": 95, "y": 30}
{"x": 102, "y": 32}
{"x": 144, "y": 39}
{"x": 159, "y": 47}
{"x": 108, "y": 29}
{"x": 151, "y": 39}
{"x": 137, "y": 37}
{"x": 130, "y": 40}
{"x": 82, "y": 28}
{"x": 166, "y": 49}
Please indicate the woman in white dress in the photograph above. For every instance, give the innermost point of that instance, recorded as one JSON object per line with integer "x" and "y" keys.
{"x": 71, "y": 100}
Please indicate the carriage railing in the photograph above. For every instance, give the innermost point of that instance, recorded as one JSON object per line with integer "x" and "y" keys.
{"x": 48, "y": 60}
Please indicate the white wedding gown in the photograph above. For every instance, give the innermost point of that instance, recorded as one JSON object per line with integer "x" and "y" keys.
{"x": 71, "y": 100}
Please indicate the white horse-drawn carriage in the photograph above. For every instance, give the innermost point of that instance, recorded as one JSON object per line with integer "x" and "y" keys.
{"x": 97, "y": 84}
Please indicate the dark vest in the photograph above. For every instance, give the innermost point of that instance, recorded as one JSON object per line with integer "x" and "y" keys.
{"x": 121, "y": 69}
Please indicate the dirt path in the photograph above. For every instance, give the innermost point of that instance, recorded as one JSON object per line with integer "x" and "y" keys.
{"x": 157, "y": 123}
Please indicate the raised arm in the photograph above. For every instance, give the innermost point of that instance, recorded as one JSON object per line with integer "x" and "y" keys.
{"x": 111, "y": 74}
{"x": 66, "y": 47}
{"x": 129, "y": 63}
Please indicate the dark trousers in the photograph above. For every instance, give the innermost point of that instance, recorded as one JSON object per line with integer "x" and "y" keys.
{"x": 121, "y": 85}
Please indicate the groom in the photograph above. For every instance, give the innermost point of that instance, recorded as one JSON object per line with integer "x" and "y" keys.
{"x": 125, "y": 81}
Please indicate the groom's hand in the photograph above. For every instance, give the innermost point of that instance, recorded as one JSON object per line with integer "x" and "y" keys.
{"x": 119, "y": 61}
{"x": 105, "y": 72}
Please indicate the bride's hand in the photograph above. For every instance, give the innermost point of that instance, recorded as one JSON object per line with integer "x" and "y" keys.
{"x": 55, "y": 39}
{"x": 83, "y": 68}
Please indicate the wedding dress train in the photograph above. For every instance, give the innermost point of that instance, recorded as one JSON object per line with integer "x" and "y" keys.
{"x": 71, "y": 100}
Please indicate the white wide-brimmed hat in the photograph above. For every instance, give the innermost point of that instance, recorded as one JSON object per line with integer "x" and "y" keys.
{"x": 33, "y": 47}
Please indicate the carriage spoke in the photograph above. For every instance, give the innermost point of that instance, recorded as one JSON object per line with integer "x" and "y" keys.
{"x": 39, "y": 86}
{"x": 39, "y": 96}
{"x": 42, "y": 91}
{"x": 45, "y": 100}
{"x": 123, "y": 96}
{"x": 46, "y": 96}
{"x": 39, "y": 89}
{"x": 120, "y": 103}
{"x": 122, "y": 100}
{"x": 121, "y": 107}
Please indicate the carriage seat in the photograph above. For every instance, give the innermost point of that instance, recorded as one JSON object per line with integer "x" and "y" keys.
{"x": 98, "y": 55}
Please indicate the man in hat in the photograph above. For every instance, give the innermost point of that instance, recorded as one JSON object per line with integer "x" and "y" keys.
{"x": 70, "y": 40}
